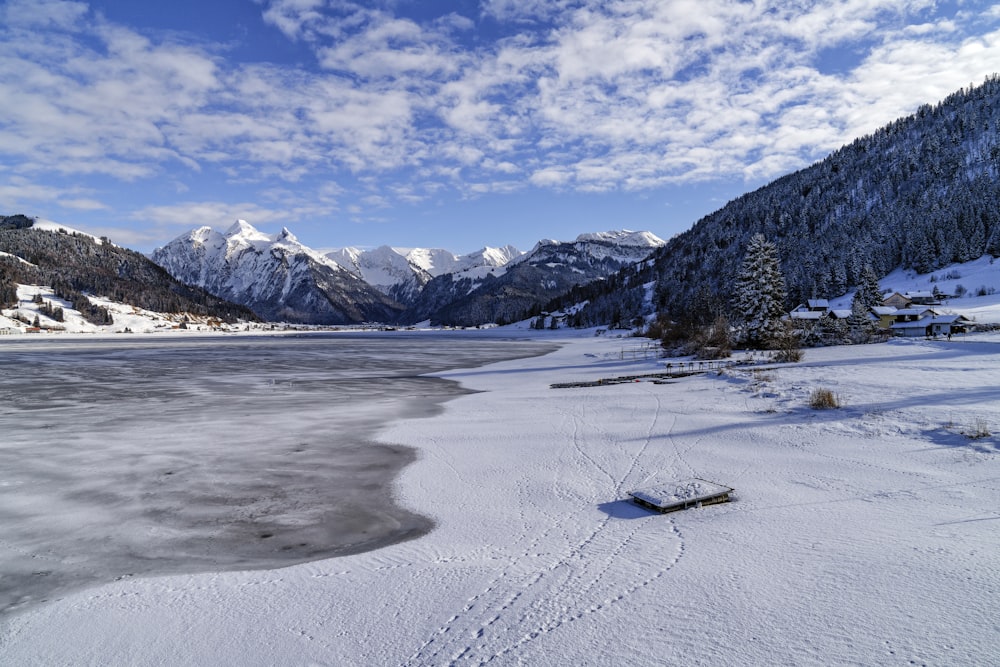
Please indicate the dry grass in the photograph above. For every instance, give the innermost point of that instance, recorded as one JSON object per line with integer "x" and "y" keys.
{"x": 979, "y": 429}
{"x": 823, "y": 399}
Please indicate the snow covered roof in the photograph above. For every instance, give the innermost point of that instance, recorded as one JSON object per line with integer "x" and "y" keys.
{"x": 818, "y": 303}
{"x": 950, "y": 319}
{"x": 884, "y": 310}
{"x": 806, "y": 314}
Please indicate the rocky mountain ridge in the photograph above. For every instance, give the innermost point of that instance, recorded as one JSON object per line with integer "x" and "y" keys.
{"x": 283, "y": 280}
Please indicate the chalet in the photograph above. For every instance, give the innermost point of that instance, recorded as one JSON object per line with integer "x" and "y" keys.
{"x": 922, "y": 298}
{"x": 820, "y": 305}
{"x": 7, "y": 331}
{"x": 913, "y": 314}
{"x": 912, "y": 328}
{"x": 897, "y": 300}
{"x": 886, "y": 316}
{"x": 931, "y": 324}
{"x": 946, "y": 325}
{"x": 680, "y": 495}
{"x": 813, "y": 309}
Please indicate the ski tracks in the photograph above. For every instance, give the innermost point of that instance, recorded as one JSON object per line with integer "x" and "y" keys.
{"x": 569, "y": 564}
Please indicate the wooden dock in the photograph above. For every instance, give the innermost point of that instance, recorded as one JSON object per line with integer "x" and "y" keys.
{"x": 681, "y": 495}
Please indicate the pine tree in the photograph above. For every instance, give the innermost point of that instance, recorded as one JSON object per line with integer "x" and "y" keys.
{"x": 867, "y": 296}
{"x": 869, "y": 292}
{"x": 760, "y": 294}
{"x": 861, "y": 323}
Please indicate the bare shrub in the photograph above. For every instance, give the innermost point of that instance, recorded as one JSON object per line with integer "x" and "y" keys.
{"x": 787, "y": 346}
{"x": 823, "y": 399}
{"x": 979, "y": 429}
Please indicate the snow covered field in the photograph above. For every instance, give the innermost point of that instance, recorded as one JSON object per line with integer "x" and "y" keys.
{"x": 860, "y": 535}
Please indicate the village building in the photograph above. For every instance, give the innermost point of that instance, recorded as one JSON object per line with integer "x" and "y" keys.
{"x": 923, "y": 298}
{"x": 886, "y": 316}
{"x": 897, "y": 300}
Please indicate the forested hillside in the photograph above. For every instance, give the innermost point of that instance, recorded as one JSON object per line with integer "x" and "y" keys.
{"x": 74, "y": 264}
{"x": 921, "y": 192}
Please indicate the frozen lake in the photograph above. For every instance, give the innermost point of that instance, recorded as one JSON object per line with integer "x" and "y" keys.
{"x": 138, "y": 456}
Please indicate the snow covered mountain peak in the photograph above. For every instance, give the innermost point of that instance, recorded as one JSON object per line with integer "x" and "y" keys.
{"x": 623, "y": 245}
{"x": 243, "y": 229}
{"x": 276, "y": 276}
{"x": 285, "y": 236}
{"x": 624, "y": 237}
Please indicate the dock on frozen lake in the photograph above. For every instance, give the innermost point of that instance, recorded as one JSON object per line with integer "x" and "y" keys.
{"x": 682, "y": 494}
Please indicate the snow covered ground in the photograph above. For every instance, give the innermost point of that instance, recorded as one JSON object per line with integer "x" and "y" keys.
{"x": 860, "y": 535}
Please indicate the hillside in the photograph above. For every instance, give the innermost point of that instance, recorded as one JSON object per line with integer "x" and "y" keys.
{"x": 920, "y": 193}
{"x": 76, "y": 265}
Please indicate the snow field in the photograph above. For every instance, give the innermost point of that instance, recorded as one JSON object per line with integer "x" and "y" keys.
{"x": 861, "y": 535}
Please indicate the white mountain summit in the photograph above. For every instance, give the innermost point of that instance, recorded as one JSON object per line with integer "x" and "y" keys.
{"x": 403, "y": 272}
{"x": 275, "y": 275}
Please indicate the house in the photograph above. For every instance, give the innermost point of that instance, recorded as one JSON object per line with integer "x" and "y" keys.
{"x": 922, "y": 298}
{"x": 912, "y": 328}
{"x": 805, "y": 315}
{"x": 886, "y": 316}
{"x": 931, "y": 324}
{"x": 897, "y": 300}
{"x": 813, "y": 309}
{"x": 946, "y": 325}
{"x": 818, "y": 305}
{"x": 913, "y": 314}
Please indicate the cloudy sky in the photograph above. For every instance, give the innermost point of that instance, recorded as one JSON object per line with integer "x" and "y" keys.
{"x": 452, "y": 124}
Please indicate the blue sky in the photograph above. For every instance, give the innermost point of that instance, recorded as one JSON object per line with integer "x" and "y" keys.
{"x": 449, "y": 124}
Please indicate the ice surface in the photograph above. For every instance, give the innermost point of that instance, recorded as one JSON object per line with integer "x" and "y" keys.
{"x": 129, "y": 457}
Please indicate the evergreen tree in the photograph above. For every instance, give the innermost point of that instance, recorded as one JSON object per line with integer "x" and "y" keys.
{"x": 759, "y": 299}
{"x": 869, "y": 293}
{"x": 861, "y": 323}
{"x": 867, "y": 296}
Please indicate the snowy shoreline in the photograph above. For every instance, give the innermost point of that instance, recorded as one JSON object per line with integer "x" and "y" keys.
{"x": 859, "y": 535}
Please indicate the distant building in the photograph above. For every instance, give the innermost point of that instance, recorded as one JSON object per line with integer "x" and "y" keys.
{"x": 897, "y": 300}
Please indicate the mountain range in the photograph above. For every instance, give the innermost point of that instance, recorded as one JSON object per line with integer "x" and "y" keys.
{"x": 281, "y": 279}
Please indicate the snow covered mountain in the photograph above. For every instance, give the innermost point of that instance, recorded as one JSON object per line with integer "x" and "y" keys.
{"x": 528, "y": 282}
{"x": 276, "y": 276}
{"x": 402, "y": 273}
{"x": 283, "y": 280}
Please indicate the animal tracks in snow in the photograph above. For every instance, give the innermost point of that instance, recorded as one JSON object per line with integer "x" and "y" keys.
{"x": 571, "y": 562}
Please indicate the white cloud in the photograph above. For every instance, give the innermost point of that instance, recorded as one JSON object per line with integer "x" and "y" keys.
{"x": 42, "y": 13}
{"x": 293, "y": 17}
{"x": 587, "y": 94}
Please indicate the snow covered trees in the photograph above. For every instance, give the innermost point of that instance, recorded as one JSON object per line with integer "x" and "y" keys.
{"x": 759, "y": 294}
{"x": 868, "y": 296}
